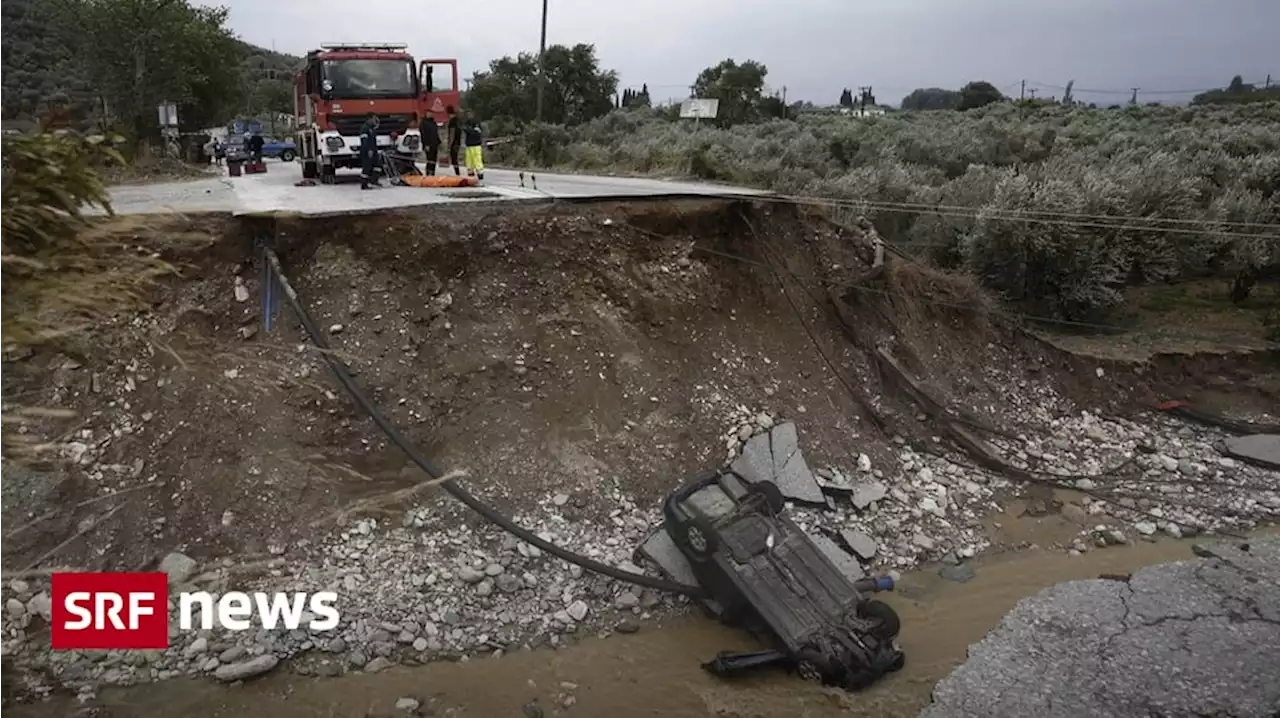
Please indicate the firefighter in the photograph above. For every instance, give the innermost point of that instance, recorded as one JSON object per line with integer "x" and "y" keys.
{"x": 474, "y": 140}
{"x": 369, "y": 152}
{"x": 430, "y": 142}
{"x": 454, "y": 129}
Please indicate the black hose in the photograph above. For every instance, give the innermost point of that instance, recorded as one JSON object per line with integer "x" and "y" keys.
{"x": 349, "y": 383}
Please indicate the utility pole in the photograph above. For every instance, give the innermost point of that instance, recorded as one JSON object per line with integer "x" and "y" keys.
{"x": 542, "y": 64}
{"x": 1033, "y": 93}
{"x": 1022, "y": 95}
{"x": 864, "y": 91}
{"x": 1134, "y": 99}
{"x": 1267, "y": 86}
{"x": 784, "y": 94}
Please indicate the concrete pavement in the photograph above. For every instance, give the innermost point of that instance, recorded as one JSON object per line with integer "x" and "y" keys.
{"x": 1194, "y": 638}
{"x": 275, "y": 192}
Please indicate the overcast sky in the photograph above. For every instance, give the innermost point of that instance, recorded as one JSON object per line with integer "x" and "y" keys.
{"x": 816, "y": 47}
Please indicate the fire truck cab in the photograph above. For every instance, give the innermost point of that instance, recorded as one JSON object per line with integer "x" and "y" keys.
{"x": 343, "y": 83}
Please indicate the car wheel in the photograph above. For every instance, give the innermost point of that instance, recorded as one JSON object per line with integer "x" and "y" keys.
{"x": 812, "y": 666}
{"x": 699, "y": 538}
{"x": 770, "y": 494}
{"x": 287, "y": 155}
{"x": 887, "y": 622}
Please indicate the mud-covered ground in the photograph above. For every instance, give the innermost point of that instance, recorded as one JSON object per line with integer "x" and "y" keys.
{"x": 577, "y": 362}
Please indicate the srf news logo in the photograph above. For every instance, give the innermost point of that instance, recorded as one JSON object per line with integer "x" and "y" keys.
{"x": 103, "y": 611}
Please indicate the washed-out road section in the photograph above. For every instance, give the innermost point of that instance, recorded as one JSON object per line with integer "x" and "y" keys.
{"x": 276, "y": 191}
{"x": 1192, "y": 638}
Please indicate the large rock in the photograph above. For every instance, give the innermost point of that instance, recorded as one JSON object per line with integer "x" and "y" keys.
{"x": 1257, "y": 449}
{"x": 179, "y": 567}
{"x": 1193, "y": 638}
{"x": 862, "y": 545}
{"x": 247, "y": 669}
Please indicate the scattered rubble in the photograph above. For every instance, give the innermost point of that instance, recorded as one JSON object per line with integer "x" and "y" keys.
{"x": 431, "y": 581}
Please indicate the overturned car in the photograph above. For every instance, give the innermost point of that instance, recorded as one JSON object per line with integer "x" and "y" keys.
{"x": 763, "y": 573}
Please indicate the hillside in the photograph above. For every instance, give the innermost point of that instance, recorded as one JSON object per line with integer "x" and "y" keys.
{"x": 40, "y": 72}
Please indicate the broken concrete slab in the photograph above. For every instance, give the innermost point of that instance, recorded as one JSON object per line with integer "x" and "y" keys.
{"x": 862, "y": 545}
{"x": 776, "y": 457}
{"x": 796, "y": 482}
{"x": 784, "y": 443}
{"x": 756, "y": 462}
{"x": 1257, "y": 449}
{"x": 847, "y": 564}
{"x": 1198, "y": 637}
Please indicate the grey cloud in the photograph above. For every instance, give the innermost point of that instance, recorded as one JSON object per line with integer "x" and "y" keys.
{"x": 816, "y": 47}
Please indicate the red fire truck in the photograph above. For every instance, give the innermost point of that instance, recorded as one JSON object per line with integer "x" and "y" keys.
{"x": 342, "y": 83}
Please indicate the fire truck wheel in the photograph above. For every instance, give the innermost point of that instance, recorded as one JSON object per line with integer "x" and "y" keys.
{"x": 310, "y": 170}
{"x": 328, "y": 174}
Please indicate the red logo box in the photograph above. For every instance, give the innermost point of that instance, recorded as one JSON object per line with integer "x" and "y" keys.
{"x": 101, "y": 611}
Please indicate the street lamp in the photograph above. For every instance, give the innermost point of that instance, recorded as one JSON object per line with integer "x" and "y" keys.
{"x": 542, "y": 67}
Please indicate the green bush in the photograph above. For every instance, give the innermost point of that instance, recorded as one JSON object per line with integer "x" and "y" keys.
{"x": 1206, "y": 167}
{"x": 55, "y": 279}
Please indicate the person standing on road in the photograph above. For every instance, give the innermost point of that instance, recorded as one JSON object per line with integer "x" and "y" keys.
{"x": 256, "y": 144}
{"x": 453, "y": 128}
{"x": 368, "y": 150}
{"x": 431, "y": 142}
{"x": 474, "y": 138}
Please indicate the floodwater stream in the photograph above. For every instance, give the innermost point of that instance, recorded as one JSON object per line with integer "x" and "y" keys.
{"x": 655, "y": 672}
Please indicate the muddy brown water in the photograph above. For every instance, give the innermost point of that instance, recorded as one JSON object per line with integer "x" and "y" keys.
{"x": 656, "y": 671}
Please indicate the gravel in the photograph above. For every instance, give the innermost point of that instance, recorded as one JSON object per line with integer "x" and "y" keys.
{"x": 411, "y": 592}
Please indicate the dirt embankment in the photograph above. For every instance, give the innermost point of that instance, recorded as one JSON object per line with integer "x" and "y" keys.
{"x": 578, "y": 361}
{"x": 543, "y": 349}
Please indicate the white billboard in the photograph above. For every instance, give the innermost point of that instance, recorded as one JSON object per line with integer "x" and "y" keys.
{"x": 168, "y": 114}
{"x": 699, "y": 109}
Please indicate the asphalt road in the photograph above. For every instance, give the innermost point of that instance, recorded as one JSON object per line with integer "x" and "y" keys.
{"x": 1193, "y": 638}
{"x": 275, "y": 191}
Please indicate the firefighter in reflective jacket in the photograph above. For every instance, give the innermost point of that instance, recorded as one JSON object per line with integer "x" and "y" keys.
{"x": 368, "y": 152}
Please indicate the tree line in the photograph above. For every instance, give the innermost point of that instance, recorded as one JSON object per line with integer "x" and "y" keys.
{"x": 81, "y": 60}
{"x": 78, "y": 62}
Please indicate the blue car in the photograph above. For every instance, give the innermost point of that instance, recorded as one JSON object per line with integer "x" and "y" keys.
{"x": 286, "y": 150}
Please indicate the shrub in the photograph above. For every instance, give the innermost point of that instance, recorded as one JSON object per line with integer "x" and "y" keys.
{"x": 56, "y": 278}
{"x": 1205, "y": 166}
{"x": 1058, "y": 268}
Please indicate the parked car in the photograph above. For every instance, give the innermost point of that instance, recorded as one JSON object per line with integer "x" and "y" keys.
{"x": 286, "y": 150}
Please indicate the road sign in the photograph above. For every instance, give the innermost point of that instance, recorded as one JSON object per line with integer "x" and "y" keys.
{"x": 168, "y": 112}
{"x": 699, "y": 109}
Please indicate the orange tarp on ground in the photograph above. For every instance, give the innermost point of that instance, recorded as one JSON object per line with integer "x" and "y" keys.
{"x": 439, "y": 181}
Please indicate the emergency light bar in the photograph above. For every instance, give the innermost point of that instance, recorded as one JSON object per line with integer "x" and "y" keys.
{"x": 364, "y": 46}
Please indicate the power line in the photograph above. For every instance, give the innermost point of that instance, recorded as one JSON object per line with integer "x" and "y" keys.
{"x": 1119, "y": 91}
{"x": 1020, "y": 316}
{"x": 924, "y": 206}
{"x": 976, "y": 213}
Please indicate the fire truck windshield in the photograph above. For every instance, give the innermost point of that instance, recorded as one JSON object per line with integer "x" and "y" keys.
{"x": 369, "y": 78}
